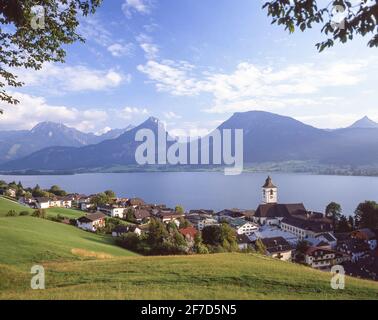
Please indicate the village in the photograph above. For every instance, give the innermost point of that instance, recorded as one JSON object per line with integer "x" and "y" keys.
{"x": 287, "y": 232}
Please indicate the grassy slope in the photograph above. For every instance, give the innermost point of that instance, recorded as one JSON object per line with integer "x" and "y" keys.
{"x": 6, "y": 205}
{"x": 25, "y": 241}
{"x": 28, "y": 239}
{"x": 222, "y": 276}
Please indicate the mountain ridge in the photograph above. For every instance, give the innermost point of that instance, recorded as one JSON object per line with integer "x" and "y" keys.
{"x": 268, "y": 137}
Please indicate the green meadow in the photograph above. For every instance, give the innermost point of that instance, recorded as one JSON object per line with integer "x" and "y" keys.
{"x": 82, "y": 265}
{"x": 6, "y": 205}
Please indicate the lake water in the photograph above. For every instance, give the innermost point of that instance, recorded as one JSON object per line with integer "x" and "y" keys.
{"x": 213, "y": 190}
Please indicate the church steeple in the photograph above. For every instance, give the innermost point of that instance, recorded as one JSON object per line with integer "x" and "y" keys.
{"x": 269, "y": 191}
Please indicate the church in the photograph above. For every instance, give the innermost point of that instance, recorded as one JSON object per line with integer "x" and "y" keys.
{"x": 270, "y": 212}
{"x": 292, "y": 218}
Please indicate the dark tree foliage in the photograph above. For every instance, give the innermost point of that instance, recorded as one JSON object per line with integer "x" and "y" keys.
{"x": 366, "y": 215}
{"x": 21, "y": 45}
{"x": 341, "y": 20}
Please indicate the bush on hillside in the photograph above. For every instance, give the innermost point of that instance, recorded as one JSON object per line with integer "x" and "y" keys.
{"x": 39, "y": 213}
{"x": 11, "y": 213}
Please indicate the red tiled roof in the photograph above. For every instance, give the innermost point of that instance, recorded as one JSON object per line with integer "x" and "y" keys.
{"x": 190, "y": 231}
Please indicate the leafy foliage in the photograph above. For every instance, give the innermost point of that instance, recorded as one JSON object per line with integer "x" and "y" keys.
{"x": 24, "y": 46}
{"x": 333, "y": 211}
{"x": 366, "y": 215}
{"x": 341, "y": 20}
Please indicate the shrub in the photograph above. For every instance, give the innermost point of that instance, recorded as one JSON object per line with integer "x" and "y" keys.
{"x": 11, "y": 213}
{"x": 39, "y": 213}
{"x": 24, "y": 213}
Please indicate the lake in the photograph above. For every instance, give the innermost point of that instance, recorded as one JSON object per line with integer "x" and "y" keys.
{"x": 213, "y": 190}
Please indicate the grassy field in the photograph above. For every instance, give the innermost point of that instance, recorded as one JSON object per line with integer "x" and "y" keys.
{"x": 82, "y": 265}
{"x": 221, "y": 276}
{"x": 6, "y": 205}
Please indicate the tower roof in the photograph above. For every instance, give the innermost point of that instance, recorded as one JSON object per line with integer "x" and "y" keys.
{"x": 269, "y": 183}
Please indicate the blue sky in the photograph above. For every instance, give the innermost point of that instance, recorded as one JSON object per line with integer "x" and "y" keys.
{"x": 192, "y": 64}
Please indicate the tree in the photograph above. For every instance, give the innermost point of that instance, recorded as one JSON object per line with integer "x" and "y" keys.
{"x": 56, "y": 190}
{"x": 100, "y": 199}
{"x": 27, "y": 43}
{"x": 179, "y": 209}
{"x": 220, "y": 236}
{"x": 366, "y": 215}
{"x": 130, "y": 215}
{"x": 212, "y": 235}
{"x": 110, "y": 194}
{"x": 38, "y": 192}
{"x": 183, "y": 223}
{"x": 333, "y": 211}
{"x": 199, "y": 247}
{"x": 301, "y": 249}
{"x": 351, "y": 222}
{"x": 340, "y": 19}
{"x": 344, "y": 225}
{"x": 260, "y": 247}
{"x": 157, "y": 233}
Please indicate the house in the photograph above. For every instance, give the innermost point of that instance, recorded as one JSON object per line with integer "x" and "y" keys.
{"x": 84, "y": 203}
{"x": 26, "y": 201}
{"x": 243, "y": 227}
{"x": 366, "y": 235}
{"x": 135, "y": 202}
{"x": 42, "y": 203}
{"x": 201, "y": 212}
{"x": 278, "y": 248}
{"x": 168, "y": 216}
{"x": 308, "y": 226}
{"x": 141, "y": 215}
{"x": 232, "y": 213}
{"x": 92, "y": 222}
{"x": 55, "y": 203}
{"x": 325, "y": 239}
{"x": 189, "y": 233}
{"x": 112, "y": 211}
{"x": 205, "y": 222}
{"x": 121, "y": 230}
{"x": 243, "y": 241}
{"x": 354, "y": 248}
{"x": 66, "y": 201}
{"x": 323, "y": 259}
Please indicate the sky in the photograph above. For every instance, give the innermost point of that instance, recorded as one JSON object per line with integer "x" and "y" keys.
{"x": 192, "y": 64}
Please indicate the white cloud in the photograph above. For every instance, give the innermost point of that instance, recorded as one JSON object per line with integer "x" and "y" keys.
{"x": 120, "y": 50}
{"x": 33, "y": 109}
{"x": 192, "y": 129}
{"x": 172, "y": 79}
{"x": 140, "y": 6}
{"x": 130, "y": 112}
{"x": 251, "y": 86}
{"x": 150, "y": 49}
{"x": 92, "y": 29}
{"x": 60, "y": 79}
{"x": 171, "y": 115}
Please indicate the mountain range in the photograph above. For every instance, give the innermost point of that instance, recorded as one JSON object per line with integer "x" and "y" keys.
{"x": 17, "y": 144}
{"x": 268, "y": 137}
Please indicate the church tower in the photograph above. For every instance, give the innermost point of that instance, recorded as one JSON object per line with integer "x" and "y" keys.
{"x": 269, "y": 192}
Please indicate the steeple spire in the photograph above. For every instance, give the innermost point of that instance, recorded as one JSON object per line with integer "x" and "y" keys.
{"x": 269, "y": 192}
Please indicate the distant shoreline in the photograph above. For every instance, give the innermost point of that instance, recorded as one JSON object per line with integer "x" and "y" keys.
{"x": 294, "y": 167}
